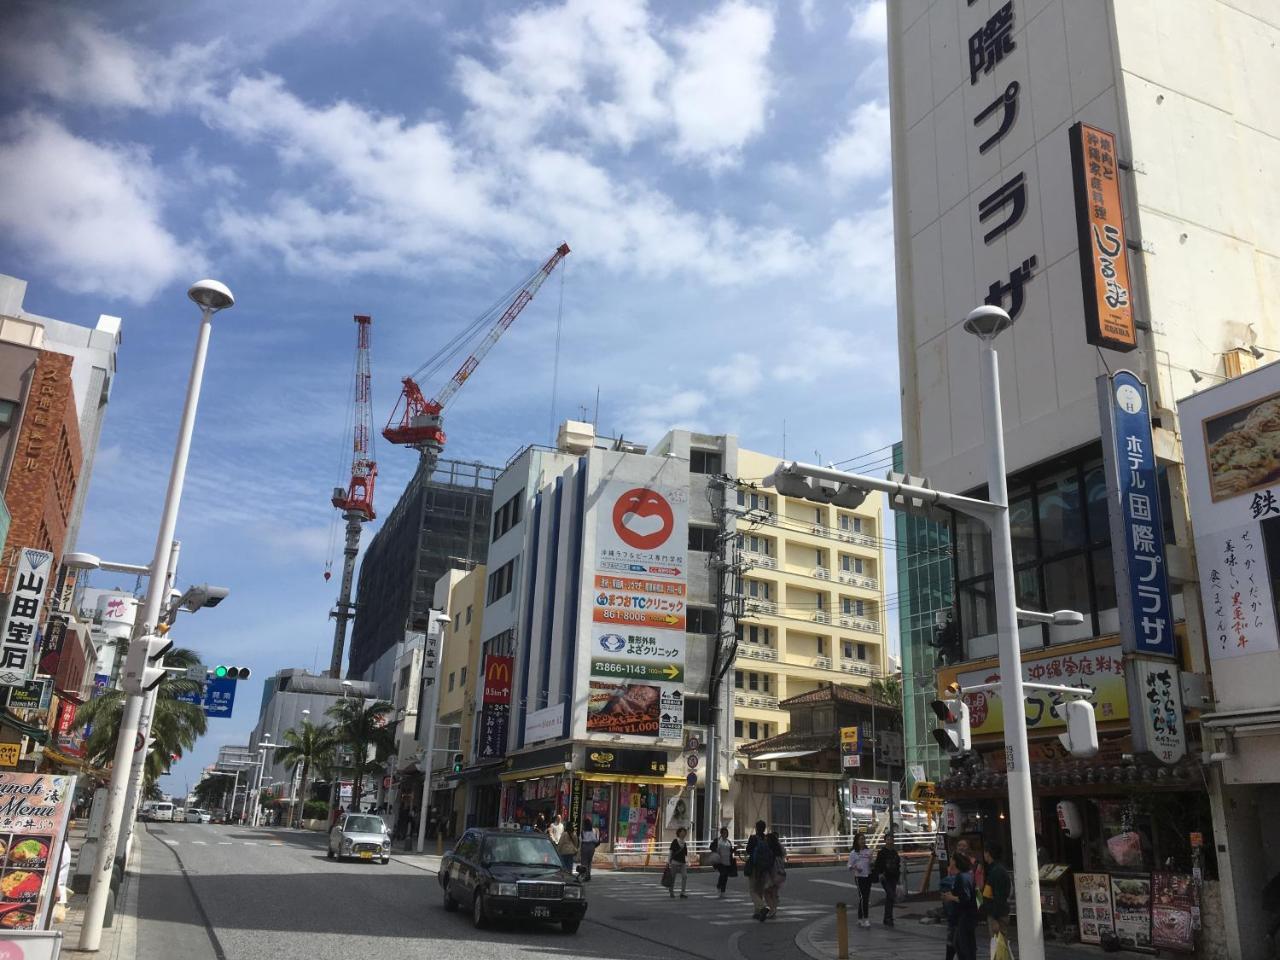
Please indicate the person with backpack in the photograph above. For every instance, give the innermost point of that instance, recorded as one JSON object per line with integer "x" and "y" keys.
{"x": 887, "y": 869}
{"x": 995, "y": 896}
{"x": 759, "y": 869}
{"x": 777, "y": 874}
{"x": 860, "y": 865}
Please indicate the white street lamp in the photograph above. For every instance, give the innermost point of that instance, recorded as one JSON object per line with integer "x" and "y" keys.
{"x": 438, "y": 620}
{"x": 211, "y": 296}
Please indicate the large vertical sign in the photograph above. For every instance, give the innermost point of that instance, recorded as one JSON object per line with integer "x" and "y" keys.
{"x": 1137, "y": 529}
{"x": 1142, "y": 582}
{"x": 638, "y": 620}
{"x": 26, "y": 599}
{"x": 495, "y": 708}
{"x": 34, "y": 809}
{"x": 1104, "y": 267}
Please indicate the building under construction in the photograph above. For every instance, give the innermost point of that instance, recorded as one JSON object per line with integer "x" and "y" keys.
{"x": 440, "y": 521}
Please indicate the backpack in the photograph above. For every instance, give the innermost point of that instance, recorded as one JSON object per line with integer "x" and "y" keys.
{"x": 761, "y": 857}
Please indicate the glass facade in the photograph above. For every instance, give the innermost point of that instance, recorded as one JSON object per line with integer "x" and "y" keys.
{"x": 925, "y": 577}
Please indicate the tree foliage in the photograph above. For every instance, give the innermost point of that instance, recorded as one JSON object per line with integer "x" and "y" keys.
{"x": 308, "y": 746}
{"x": 364, "y": 732}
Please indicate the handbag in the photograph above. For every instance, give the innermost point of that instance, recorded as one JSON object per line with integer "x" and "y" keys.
{"x": 668, "y": 876}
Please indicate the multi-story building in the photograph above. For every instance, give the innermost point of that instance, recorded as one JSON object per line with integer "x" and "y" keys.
{"x": 1117, "y": 197}
{"x": 812, "y": 598}
{"x": 438, "y": 521}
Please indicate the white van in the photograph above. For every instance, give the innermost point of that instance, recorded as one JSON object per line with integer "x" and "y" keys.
{"x": 162, "y": 811}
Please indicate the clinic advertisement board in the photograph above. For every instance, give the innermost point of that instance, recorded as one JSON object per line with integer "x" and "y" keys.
{"x": 635, "y": 587}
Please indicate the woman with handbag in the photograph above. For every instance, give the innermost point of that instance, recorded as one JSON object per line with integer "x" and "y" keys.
{"x": 589, "y": 840}
{"x": 567, "y": 846}
{"x": 678, "y": 864}
{"x": 722, "y": 858}
{"x": 860, "y": 865}
{"x": 962, "y": 933}
{"x": 777, "y": 875}
{"x": 888, "y": 868}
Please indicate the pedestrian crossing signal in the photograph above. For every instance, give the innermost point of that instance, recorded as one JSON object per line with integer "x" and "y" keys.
{"x": 953, "y": 715}
{"x": 457, "y": 763}
{"x": 221, "y": 672}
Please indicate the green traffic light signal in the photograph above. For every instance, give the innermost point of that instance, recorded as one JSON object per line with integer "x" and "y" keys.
{"x": 223, "y": 672}
{"x": 220, "y": 672}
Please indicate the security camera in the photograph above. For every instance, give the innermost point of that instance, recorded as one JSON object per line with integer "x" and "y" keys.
{"x": 202, "y": 596}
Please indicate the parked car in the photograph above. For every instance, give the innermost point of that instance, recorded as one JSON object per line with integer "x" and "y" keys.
{"x": 508, "y": 874}
{"x": 196, "y": 815}
{"x": 363, "y": 836}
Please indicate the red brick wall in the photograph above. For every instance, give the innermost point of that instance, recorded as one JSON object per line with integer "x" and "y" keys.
{"x": 46, "y": 464}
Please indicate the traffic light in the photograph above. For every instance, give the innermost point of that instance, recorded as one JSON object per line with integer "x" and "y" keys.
{"x": 457, "y": 763}
{"x": 222, "y": 672}
{"x": 144, "y": 664}
{"x": 1081, "y": 738}
{"x": 953, "y": 714}
{"x": 791, "y": 483}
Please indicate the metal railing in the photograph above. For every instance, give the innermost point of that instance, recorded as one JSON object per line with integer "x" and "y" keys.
{"x": 762, "y": 701}
{"x": 859, "y": 623}
{"x": 862, "y": 669}
{"x": 754, "y": 651}
{"x": 821, "y": 573}
{"x": 859, "y": 580}
{"x": 762, "y": 560}
{"x": 756, "y": 605}
{"x": 653, "y": 853}
{"x": 821, "y": 616}
{"x": 822, "y": 663}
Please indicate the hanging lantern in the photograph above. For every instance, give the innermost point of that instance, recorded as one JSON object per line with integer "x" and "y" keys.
{"x": 1069, "y": 820}
{"x": 952, "y": 819}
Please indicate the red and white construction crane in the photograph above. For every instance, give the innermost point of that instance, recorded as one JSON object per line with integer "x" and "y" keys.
{"x": 415, "y": 421}
{"x": 355, "y": 501}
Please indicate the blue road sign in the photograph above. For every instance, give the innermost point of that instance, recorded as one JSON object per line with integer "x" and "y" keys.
{"x": 218, "y": 699}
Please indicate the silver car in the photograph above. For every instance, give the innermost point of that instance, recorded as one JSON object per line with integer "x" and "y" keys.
{"x": 360, "y": 836}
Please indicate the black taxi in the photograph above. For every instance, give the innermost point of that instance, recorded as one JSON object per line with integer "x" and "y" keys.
{"x": 508, "y": 874}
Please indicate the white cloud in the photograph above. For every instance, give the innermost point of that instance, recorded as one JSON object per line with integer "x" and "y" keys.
{"x": 740, "y": 375}
{"x": 870, "y": 22}
{"x": 722, "y": 86}
{"x": 858, "y": 252}
{"x": 89, "y": 212}
{"x": 861, "y": 151}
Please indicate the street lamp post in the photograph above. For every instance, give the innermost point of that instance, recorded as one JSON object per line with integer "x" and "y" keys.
{"x": 211, "y": 296}
{"x": 438, "y": 620}
{"x": 263, "y": 749}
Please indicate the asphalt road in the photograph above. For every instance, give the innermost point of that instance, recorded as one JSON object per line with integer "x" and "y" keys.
{"x": 234, "y": 893}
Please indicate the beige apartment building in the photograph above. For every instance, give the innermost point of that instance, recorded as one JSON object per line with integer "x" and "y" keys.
{"x": 813, "y": 598}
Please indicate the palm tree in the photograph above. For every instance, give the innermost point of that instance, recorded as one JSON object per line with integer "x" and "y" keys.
{"x": 176, "y": 725}
{"x": 307, "y": 746}
{"x": 888, "y": 689}
{"x": 360, "y": 729}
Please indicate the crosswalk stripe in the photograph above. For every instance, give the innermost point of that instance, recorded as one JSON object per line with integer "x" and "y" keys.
{"x": 835, "y": 883}
{"x": 250, "y": 843}
{"x": 727, "y": 923}
{"x": 198, "y": 843}
{"x": 225, "y": 843}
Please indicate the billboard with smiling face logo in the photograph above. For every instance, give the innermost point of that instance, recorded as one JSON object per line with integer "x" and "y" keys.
{"x": 636, "y": 591}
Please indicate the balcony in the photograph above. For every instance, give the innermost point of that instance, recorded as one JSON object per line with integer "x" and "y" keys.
{"x": 760, "y": 560}
{"x": 822, "y": 663}
{"x": 761, "y": 701}
{"x": 755, "y": 651}
{"x": 861, "y": 539}
{"x": 858, "y": 580}
{"x": 859, "y": 667}
{"x": 858, "y": 623}
{"x": 754, "y": 605}
{"x": 821, "y": 573}
{"x": 821, "y": 616}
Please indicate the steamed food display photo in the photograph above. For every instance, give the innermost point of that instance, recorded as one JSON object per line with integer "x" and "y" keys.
{"x": 1242, "y": 448}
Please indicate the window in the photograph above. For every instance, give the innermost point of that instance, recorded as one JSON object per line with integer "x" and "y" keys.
{"x": 705, "y": 461}
{"x": 501, "y": 581}
{"x": 462, "y": 677}
{"x": 737, "y": 679}
{"x": 508, "y": 515}
{"x": 862, "y": 651}
{"x": 697, "y": 712}
{"x": 857, "y": 524}
{"x": 758, "y": 589}
{"x": 753, "y": 681}
{"x": 768, "y": 730}
{"x": 457, "y": 621}
{"x": 701, "y": 620}
{"x": 754, "y": 544}
{"x": 846, "y": 648}
{"x": 792, "y": 816}
{"x": 765, "y": 682}
{"x": 469, "y": 608}
{"x": 822, "y": 646}
{"x": 857, "y": 565}
{"x": 702, "y": 538}
{"x": 754, "y": 634}
{"x": 404, "y": 677}
{"x": 451, "y": 682}
{"x": 753, "y": 730}
{"x": 753, "y": 501}
{"x": 737, "y": 729}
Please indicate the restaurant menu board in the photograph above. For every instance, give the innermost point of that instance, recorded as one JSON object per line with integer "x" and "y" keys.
{"x": 34, "y": 809}
{"x": 1093, "y": 901}
{"x": 1173, "y": 909}
{"x": 1132, "y": 897}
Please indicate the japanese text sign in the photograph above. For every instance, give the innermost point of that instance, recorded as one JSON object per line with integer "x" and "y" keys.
{"x": 34, "y": 809}
{"x": 1155, "y": 693}
{"x": 26, "y": 599}
{"x": 1137, "y": 530}
{"x": 1104, "y": 267}
{"x": 1239, "y": 607}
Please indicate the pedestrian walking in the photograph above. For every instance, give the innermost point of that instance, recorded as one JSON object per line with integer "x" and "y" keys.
{"x": 777, "y": 874}
{"x": 860, "y": 865}
{"x": 995, "y": 895}
{"x": 555, "y": 830}
{"x": 722, "y": 858}
{"x": 887, "y": 869}
{"x": 950, "y": 909}
{"x": 410, "y": 829}
{"x": 587, "y": 843}
{"x": 758, "y": 867}
{"x": 678, "y": 861}
{"x": 567, "y": 846}
{"x": 963, "y": 896}
{"x": 540, "y": 824}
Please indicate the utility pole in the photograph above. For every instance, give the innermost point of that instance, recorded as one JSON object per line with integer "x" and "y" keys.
{"x": 724, "y": 567}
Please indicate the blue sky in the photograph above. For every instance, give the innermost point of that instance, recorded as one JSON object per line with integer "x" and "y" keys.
{"x": 720, "y": 169}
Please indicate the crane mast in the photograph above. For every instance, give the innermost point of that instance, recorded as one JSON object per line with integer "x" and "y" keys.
{"x": 355, "y": 501}
{"x": 420, "y": 425}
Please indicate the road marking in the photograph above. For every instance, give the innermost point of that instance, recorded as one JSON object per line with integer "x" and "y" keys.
{"x": 225, "y": 843}
{"x": 726, "y": 923}
{"x": 172, "y": 843}
{"x": 251, "y": 843}
{"x": 835, "y": 883}
{"x": 278, "y": 843}
{"x": 198, "y": 843}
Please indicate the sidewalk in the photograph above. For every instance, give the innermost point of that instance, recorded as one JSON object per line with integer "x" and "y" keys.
{"x": 909, "y": 939}
{"x": 120, "y": 940}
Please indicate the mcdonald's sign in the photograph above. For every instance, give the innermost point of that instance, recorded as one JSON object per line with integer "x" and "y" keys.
{"x": 497, "y": 679}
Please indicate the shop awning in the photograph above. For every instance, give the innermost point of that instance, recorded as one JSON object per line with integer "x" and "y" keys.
{"x": 632, "y": 778}
{"x": 534, "y": 774}
{"x": 784, "y": 754}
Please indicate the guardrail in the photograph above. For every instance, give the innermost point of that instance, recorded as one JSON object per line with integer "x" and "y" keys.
{"x": 653, "y": 853}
